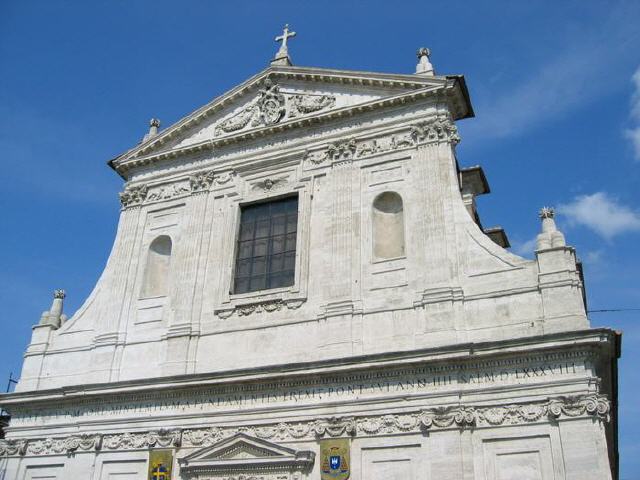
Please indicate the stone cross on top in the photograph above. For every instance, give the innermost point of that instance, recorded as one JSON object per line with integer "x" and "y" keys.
{"x": 282, "y": 57}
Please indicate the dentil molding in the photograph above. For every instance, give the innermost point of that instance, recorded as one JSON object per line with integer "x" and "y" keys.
{"x": 460, "y": 417}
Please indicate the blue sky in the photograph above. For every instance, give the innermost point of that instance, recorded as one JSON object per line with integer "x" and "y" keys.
{"x": 557, "y": 123}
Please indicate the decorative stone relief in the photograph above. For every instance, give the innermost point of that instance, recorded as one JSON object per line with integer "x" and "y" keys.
{"x": 224, "y": 178}
{"x": 271, "y": 106}
{"x": 157, "y": 438}
{"x": 437, "y": 130}
{"x": 304, "y": 104}
{"x": 168, "y": 191}
{"x": 273, "y": 183}
{"x": 202, "y": 181}
{"x": 596, "y": 406}
{"x": 268, "y": 306}
{"x": 197, "y": 183}
{"x": 133, "y": 196}
{"x": 442, "y": 130}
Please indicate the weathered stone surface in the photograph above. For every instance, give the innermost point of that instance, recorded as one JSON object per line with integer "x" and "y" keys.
{"x": 407, "y": 330}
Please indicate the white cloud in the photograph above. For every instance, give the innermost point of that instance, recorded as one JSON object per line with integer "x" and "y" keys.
{"x": 525, "y": 248}
{"x": 574, "y": 75}
{"x": 633, "y": 133}
{"x": 602, "y": 214}
{"x": 593, "y": 257}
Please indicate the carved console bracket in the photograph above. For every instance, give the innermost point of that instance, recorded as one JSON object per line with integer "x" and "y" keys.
{"x": 460, "y": 416}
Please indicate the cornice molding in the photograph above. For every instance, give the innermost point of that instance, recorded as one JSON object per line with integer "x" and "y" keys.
{"x": 444, "y": 417}
{"x": 145, "y": 157}
{"x": 541, "y": 348}
{"x": 313, "y": 74}
{"x": 438, "y": 129}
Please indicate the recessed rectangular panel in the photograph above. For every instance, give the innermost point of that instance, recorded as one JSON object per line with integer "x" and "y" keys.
{"x": 519, "y": 458}
{"x": 385, "y": 174}
{"x": 124, "y": 470}
{"x": 519, "y": 466}
{"x": 399, "y": 462}
{"x": 44, "y": 472}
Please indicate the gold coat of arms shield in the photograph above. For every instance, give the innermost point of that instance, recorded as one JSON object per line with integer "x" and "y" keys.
{"x": 335, "y": 459}
{"x": 160, "y": 463}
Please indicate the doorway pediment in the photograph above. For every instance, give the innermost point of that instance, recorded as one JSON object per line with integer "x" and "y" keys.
{"x": 247, "y": 458}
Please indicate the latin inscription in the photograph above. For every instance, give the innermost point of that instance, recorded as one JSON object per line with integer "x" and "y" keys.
{"x": 364, "y": 387}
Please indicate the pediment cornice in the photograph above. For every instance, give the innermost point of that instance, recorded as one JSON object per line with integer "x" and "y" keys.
{"x": 125, "y": 164}
{"x": 246, "y": 454}
{"x": 160, "y": 146}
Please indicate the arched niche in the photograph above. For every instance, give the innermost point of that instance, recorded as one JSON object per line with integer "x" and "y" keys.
{"x": 156, "y": 274}
{"x": 388, "y": 226}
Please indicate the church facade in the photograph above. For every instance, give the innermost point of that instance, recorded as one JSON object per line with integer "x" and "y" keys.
{"x": 300, "y": 288}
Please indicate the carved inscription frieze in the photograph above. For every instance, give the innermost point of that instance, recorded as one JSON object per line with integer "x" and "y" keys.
{"x": 384, "y": 383}
{"x": 458, "y": 416}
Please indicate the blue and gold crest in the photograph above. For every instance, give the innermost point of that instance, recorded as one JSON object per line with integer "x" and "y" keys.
{"x": 335, "y": 459}
{"x": 160, "y": 463}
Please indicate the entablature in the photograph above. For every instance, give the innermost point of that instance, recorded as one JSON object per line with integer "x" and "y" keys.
{"x": 356, "y": 145}
{"x": 452, "y": 366}
{"x": 300, "y": 113}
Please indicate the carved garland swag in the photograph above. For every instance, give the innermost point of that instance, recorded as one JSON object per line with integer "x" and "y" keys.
{"x": 463, "y": 417}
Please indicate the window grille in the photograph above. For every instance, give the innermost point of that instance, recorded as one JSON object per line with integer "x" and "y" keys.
{"x": 266, "y": 249}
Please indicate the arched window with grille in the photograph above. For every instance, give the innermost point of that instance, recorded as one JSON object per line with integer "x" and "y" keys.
{"x": 156, "y": 274}
{"x": 388, "y": 226}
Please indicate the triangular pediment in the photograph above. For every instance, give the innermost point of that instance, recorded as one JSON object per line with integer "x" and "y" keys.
{"x": 245, "y": 453}
{"x": 284, "y": 97}
{"x": 240, "y": 447}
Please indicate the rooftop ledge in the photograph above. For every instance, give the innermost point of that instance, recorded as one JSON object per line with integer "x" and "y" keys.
{"x": 601, "y": 338}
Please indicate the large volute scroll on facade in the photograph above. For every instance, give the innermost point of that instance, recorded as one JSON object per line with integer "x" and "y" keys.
{"x": 301, "y": 288}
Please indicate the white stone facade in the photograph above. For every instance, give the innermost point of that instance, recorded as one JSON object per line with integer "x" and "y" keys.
{"x": 408, "y": 330}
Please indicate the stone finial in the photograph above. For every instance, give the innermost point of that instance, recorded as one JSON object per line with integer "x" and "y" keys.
{"x": 546, "y": 212}
{"x": 424, "y": 66}
{"x": 54, "y": 316}
{"x": 550, "y": 237}
{"x": 154, "y": 125}
{"x": 282, "y": 56}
